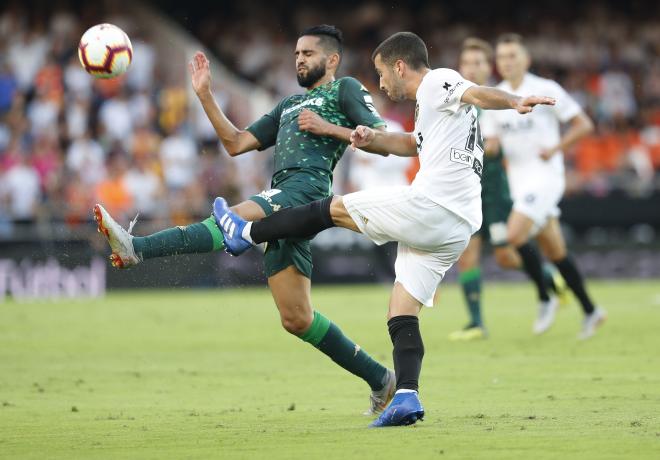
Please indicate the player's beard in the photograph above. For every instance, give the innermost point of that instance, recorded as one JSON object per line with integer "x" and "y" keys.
{"x": 397, "y": 93}
{"x": 313, "y": 75}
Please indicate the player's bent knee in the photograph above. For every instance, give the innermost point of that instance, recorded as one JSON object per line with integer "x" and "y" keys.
{"x": 340, "y": 215}
{"x": 296, "y": 324}
{"x": 555, "y": 254}
{"x": 506, "y": 260}
{"x": 337, "y": 209}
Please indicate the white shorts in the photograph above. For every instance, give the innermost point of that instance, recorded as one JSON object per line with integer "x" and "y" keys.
{"x": 536, "y": 194}
{"x": 430, "y": 237}
{"x": 539, "y": 203}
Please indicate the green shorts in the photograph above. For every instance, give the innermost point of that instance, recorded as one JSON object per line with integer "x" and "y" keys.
{"x": 294, "y": 251}
{"x": 494, "y": 226}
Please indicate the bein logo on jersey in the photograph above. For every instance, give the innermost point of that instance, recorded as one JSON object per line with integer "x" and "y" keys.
{"x": 461, "y": 156}
{"x": 466, "y": 158}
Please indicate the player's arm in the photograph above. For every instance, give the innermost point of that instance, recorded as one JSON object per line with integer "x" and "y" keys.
{"x": 310, "y": 121}
{"x": 371, "y": 140}
{"x": 235, "y": 141}
{"x": 579, "y": 126}
{"x": 495, "y": 99}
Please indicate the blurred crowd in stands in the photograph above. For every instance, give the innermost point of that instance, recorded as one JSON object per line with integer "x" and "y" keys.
{"x": 139, "y": 143}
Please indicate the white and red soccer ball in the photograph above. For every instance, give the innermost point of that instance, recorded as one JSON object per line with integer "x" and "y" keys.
{"x": 105, "y": 51}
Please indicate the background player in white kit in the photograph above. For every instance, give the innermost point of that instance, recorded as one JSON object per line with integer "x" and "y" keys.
{"x": 533, "y": 146}
{"x": 432, "y": 219}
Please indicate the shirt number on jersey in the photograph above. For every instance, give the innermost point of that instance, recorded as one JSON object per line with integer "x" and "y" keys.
{"x": 474, "y": 137}
{"x": 419, "y": 142}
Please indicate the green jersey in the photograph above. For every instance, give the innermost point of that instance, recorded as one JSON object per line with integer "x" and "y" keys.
{"x": 344, "y": 102}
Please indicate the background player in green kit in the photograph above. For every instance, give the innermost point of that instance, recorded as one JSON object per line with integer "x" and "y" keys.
{"x": 310, "y": 132}
{"x": 475, "y": 65}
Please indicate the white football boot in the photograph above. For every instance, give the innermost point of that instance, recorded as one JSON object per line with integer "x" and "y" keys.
{"x": 546, "y": 317}
{"x": 121, "y": 241}
{"x": 378, "y": 400}
{"x": 591, "y": 323}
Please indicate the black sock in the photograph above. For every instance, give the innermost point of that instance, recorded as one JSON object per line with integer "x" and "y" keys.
{"x": 531, "y": 261}
{"x": 298, "y": 222}
{"x": 408, "y": 350}
{"x": 574, "y": 280}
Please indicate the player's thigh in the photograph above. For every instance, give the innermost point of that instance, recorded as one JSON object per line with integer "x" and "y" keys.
{"x": 471, "y": 256}
{"x": 420, "y": 272}
{"x": 249, "y": 210}
{"x": 340, "y": 215}
{"x": 402, "y": 302}
{"x": 552, "y": 241}
{"x": 519, "y": 228}
{"x": 291, "y": 291}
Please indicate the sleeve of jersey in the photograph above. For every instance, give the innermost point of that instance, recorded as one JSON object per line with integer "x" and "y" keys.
{"x": 565, "y": 107}
{"x": 265, "y": 128}
{"x": 445, "y": 89}
{"x": 358, "y": 105}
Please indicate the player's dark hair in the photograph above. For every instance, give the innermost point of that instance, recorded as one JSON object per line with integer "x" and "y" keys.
{"x": 511, "y": 38}
{"x": 405, "y": 46}
{"x": 330, "y": 37}
{"x": 477, "y": 44}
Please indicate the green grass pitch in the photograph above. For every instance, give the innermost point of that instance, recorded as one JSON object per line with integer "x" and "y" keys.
{"x": 211, "y": 374}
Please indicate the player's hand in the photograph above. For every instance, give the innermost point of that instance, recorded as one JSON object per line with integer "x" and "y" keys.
{"x": 200, "y": 73}
{"x": 312, "y": 122}
{"x": 526, "y": 104}
{"x": 362, "y": 136}
{"x": 546, "y": 154}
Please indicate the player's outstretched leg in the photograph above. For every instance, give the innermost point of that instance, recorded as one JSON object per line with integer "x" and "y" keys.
{"x": 297, "y": 222}
{"x": 130, "y": 250}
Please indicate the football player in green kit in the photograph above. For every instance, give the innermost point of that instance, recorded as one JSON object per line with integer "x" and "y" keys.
{"x": 475, "y": 65}
{"x": 310, "y": 132}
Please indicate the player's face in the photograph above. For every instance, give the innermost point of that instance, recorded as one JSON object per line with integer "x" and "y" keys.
{"x": 311, "y": 61}
{"x": 512, "y": 60}
{"x": 389, "y": 80}
{"x": 474, "y": 66}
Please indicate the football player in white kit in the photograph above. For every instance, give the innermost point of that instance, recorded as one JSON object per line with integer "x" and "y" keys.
{"x": 432, "y": 219}
{"x": 533, "y": 147}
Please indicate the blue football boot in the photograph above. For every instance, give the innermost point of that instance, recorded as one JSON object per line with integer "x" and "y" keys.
{"x": 231, "y": 227}
{"x": 405, "y": 409}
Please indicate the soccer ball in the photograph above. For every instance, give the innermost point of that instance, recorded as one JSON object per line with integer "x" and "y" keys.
{"x": 105, "y": 51}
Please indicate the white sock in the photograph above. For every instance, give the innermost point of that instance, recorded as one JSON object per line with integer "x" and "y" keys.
{"x": 405, "y": 390}
{"x": 246, "y": 232}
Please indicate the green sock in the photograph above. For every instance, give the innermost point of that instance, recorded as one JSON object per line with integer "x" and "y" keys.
{"x": 548, "y": 276}
{"x": 471, "y": 282}
{"x": 328, "y": 338}
{"x": 195, "y": 238}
